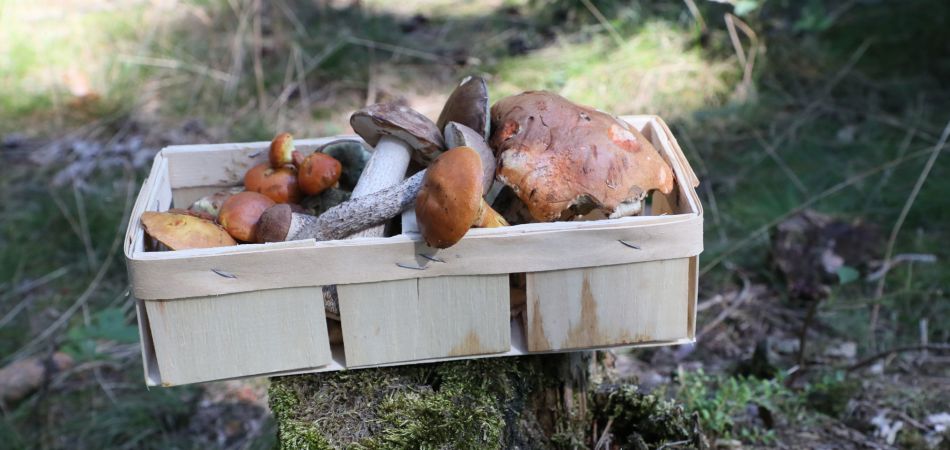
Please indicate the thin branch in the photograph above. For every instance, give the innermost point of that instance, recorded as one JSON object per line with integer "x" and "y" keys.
{"x": 754, "y": 234}
{"x": 618, "y": 39}
{"x": 27, "y": 287}
{"x": 921, "y": 179}
{"x": 910, "y": 348}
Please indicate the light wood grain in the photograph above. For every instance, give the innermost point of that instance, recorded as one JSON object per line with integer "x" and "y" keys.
{"x": 609, "y": 305}
{"x": 482, "y": 252}
{"x": 238, "y": 335}
{"x": 184, "y": 197}
{"x": 410, "y": 320}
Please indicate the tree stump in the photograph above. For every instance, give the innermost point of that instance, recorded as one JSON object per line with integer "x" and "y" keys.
{"x": 539, "y": 401}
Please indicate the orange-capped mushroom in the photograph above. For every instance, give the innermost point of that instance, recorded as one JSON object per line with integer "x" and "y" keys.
{"x": 318, "y": 172}
{"x": 281, "y": 150}
{"x": 184, "y": 231}
{"x": 280, "y": 185}
{"x": 241, "y": 212}
{"x": 450, "y": 200}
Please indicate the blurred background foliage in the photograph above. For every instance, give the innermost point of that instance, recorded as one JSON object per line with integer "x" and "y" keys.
{"x": 782, "y": 106}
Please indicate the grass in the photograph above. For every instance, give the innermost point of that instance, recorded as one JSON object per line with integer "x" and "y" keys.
{"x": 93, "y": 68}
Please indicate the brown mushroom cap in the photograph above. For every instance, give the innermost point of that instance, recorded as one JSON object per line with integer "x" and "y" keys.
{"x": 241, "y": 212}
{"x": 467, "y": 105}
{"x": 458, "y": 135}
{"x": 403, "y": 123}
{"x": 281, "y": 149}
{"x": 450, "y": 200}
{"x": 560, "y": 156}
{"x": 280, "y": 185}
{"x": 318, "y": 172}
{"x": 184, "y": 231}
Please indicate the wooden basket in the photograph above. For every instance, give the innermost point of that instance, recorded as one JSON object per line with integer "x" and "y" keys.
{"x": 257, "y": 309}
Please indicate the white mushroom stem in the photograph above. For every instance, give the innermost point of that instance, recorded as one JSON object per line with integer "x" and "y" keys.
{"x": 357, "y": 214}
{"x": 409, "y": 224}
{"x": 385, "y": 168}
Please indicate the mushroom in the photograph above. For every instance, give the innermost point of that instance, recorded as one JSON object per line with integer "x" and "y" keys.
{"x": 397, "y": 134}
{"x": 467, "y": 105}
{"x": 211, "y": 203}
{"x": 280, "y": 185}
{"x": 459, "y": 135}
{"x": 352, "y": 154}
{"x": 317, "y": 173}
{"x": 450, "y": 200}
{"x": 277, "y": 179}
{"x": 562, "y": 159}
{"x": 241, "y": 212}
{"x": 279, "y": 223}
{"x": 184, "y": 231}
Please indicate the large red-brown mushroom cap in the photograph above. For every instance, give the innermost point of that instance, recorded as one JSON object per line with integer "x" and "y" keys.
{"x": 450, "y": 200}
{"x": 559, "y": 156}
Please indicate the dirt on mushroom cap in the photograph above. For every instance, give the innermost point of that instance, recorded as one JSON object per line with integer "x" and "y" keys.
{"x": 557, "y": 155}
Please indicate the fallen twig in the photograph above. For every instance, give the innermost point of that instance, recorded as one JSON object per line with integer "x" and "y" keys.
{"x": 27, "y": 287}
{"x": 901, "y": 258}
{"x": 921, "y": 179}
{"x": 910, "y": 348}
{"x": 740, "y": 298}
{"x": 604, "y": 22}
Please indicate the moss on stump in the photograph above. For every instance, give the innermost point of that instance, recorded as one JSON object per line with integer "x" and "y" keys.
{"x": 518, "y": 402}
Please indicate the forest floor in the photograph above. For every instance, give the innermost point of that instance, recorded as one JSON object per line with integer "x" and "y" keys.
{"x": 816, "y": 130}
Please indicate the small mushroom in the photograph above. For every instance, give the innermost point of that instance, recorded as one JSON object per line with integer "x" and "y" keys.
{"x": 240, "y": 214}
{"x": 562, "y": 159}
{"x": 450, "y": 200}
{"x": 317, "y": 173}
{"x": 281, "y": 150}
{"x": 467, "y": 105}
{"x": 280, "y": 185}
{"x": 352, "y": 154}
{"x": 277, "y": 178}
{"x": 211, "y": 204}
{"x": 184, "y": 231}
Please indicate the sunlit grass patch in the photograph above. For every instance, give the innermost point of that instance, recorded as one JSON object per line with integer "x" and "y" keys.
{"x": 655, "y": 71}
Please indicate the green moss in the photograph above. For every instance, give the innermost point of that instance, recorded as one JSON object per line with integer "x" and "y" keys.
{"x": 483, "y": 404}
{"x": 639, "y": 419}
{"x": 465, "y": 404}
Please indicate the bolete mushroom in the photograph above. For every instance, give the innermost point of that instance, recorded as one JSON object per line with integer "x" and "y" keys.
{"x": 352, "y": 154}
{"x": 279, "y": 223}
{"x": 562, "y": 159}
{"x": 450, "y": 200}
{"x": 467, "y": 105}
{"x": 241, "y": 212}
{"x": 184, "y": 231}
{"x": 397, "y": 134}
{"x": 211, "y": 203}
{"x": 317, "y": 173}
{"x": 277, "y": 178}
